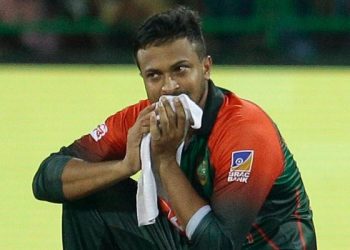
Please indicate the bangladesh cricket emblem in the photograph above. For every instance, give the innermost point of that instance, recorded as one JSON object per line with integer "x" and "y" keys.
{"x": 202, "y": 172}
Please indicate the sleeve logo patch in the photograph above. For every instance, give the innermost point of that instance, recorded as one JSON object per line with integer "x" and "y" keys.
{"x": 99, "y": 132}
{"x": 241, "y": 165}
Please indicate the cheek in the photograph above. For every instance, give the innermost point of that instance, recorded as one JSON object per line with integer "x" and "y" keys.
{"x": 153, "y": 93}
{"x": 198, "y": 80}
{"x": 197, "y": 87}
{"x": 192, "y": 80}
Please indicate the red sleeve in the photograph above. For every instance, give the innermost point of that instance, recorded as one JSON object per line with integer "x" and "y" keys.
{"x": 246, "y": 154}
{"x": 108, "y": 140}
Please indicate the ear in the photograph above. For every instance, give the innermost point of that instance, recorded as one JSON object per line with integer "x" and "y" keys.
{"x": 207, "y": 64}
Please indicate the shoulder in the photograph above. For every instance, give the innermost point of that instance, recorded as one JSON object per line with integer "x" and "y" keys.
{"x": 128, "y": 115}
{"x": 237, "y": 115}
{"x": 242, "y": 125}
{"x": 119, "y": 123}
{"x": 240, "y": 110}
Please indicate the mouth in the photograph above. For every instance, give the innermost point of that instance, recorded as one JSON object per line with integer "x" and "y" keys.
{"x": 177, "y": 94}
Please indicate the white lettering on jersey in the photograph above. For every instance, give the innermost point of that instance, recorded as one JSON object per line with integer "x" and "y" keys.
{"x": 99, "y": 132}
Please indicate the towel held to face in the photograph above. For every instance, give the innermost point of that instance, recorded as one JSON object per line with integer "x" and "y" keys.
{"x": 146, "y": 197}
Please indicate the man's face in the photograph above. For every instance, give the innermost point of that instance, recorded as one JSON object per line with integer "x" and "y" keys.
{"x": 174, "y": 68}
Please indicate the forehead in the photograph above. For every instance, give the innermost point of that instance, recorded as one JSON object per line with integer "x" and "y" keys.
{"x": 155, "y": 56}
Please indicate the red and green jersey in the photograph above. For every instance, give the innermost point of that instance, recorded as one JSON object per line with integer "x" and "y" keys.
{"x": 237, "y": 161}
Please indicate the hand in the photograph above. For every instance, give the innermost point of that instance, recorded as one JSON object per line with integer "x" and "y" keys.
{"x": 132, "y": 158}
{"x": 167, "y": 133}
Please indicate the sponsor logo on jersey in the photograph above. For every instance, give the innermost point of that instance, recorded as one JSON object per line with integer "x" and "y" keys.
{"x": 241, "y": 165}
{"x": 99, "y": 132}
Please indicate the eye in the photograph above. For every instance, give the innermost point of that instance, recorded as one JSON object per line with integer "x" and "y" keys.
{"x": 153, "y": 76}
{"x": 181, "y": 68}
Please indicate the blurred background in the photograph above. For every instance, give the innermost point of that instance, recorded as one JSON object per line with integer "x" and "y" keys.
{"x": 244, "y": 32}
{"x": 59, "y": 79}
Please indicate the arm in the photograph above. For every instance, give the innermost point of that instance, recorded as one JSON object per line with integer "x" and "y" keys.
{"x": 81, "y": 178}
{"x": 63, "y": 176}
{"x": 165, "y": 141}
{"x": 237, "y": 202}
{"x": 234, "y": 204}
{"x": 184, "y": 199}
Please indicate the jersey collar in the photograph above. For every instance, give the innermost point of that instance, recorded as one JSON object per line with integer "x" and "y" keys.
{"x": 213, "y": 103}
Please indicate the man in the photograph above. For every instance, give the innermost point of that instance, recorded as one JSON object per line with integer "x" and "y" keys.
{"x": 237, "y": 186}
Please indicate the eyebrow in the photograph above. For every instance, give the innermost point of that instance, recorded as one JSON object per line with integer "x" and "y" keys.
{"x": 151, "y": 70}
{"x": 179, "y": 63}
{"x": 171, "y": 66}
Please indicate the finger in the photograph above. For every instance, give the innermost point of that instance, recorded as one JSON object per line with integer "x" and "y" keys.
{"x": 154, "y": 129}
{"x": 147, "y": 110}
{"x": 169, "y": 111}
{"x": 163, "y": 118}
{"x": 144, "y": 118}
{"x": 141, "y": 125}
{"x": 180, "y": 114}
{"x": 145, "y": 121}
{"x": 145, "y": 130}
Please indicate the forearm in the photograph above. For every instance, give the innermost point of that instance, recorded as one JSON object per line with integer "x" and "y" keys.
{"x": 209, "y": 233}
{"x": 81, "y": 178}
{"x": 62, "y": 177}
{"x": 184, "y": 199}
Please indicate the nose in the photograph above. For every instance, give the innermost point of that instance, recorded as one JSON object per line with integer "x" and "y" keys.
{"x": 170, "y": 86}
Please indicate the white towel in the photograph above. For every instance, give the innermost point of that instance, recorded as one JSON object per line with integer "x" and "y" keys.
{"x": 146, "y": 197}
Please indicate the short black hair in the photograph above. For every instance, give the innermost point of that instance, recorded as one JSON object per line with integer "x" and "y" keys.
{"x": 179, "y": 22}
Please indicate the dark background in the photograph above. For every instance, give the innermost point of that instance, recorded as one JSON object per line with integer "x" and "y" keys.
{"x": 243, "y": 32}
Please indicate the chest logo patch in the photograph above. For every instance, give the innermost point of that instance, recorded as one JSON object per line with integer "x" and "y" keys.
{"x": 99, "y": 132}
{"x": 241, "y": 166}
{"x": 202, "y": 173}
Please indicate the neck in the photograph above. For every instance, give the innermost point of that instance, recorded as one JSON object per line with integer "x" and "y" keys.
{"x": 203, "y": 98}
